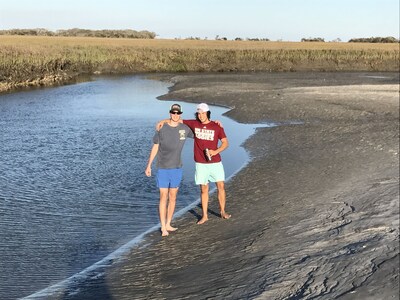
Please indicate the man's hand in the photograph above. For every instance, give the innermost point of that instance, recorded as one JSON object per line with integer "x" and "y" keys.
{"x": 148, "y": 171}
{"x": 212, "y": 152}
{"x": 160, "y": 124}
{"x": 219, "y": 123}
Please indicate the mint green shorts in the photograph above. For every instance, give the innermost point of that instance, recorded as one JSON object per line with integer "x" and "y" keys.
{"x": 206, "y": 173}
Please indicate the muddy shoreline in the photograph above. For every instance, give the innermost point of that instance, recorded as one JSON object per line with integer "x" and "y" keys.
{"x": 315, "y": 212}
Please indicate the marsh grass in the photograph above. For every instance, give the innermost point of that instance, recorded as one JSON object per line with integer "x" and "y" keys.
{"x": 45, "y": 60}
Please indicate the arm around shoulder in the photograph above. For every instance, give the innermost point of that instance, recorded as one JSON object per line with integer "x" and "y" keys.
{"x": 160, "y": 124}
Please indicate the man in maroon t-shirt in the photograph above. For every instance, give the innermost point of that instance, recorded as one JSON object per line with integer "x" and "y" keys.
{"x": 209, "y": 168}
{"x": 207, "y": 156}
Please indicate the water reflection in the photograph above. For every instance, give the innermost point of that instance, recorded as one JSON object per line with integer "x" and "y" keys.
{"x": 72, "y": 184}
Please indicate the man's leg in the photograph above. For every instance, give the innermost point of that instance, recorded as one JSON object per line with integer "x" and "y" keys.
{"x": 204, "y": 203}
{"x": 163, "y": 210}
{"x": 171, "y": 208}
{"x": 222, "y": 199}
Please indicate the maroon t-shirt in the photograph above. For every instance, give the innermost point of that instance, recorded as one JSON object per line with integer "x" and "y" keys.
{"x": 205, "y": 136}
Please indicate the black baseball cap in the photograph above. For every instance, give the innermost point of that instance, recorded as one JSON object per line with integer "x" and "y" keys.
{"x": 175, "y": 108}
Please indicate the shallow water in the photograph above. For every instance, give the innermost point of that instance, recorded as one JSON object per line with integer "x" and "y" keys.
{"x": 72, "y": 184}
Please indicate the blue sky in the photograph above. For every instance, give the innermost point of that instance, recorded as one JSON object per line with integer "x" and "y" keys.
{"x": 287, "y": 20}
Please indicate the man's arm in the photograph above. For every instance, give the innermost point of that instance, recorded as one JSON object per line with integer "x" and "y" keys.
{"x": 160, "y": 124}
{"x": 153, "y": 153}
{"x": 224, "y": 145}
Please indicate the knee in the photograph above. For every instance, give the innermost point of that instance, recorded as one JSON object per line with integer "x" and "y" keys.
{"x": 172, "y": 196}
{"x": 204, "y": 189}
{"x": 163, "y": 195}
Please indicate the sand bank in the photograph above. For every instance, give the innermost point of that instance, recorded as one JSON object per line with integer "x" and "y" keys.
{"x": 315, "y": 212}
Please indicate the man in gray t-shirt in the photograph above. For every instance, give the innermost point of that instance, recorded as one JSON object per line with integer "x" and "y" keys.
{"x": 168, "y": 145}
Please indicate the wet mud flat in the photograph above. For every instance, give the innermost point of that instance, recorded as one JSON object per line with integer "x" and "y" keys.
{"x": 315, "y": 213}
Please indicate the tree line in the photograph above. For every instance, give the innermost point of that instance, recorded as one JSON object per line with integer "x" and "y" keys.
{"x": 144, "y": 34}
{"x": 77, "y": 32}
{"x": 311, "y": 39}
{"x": 388, "y": 39}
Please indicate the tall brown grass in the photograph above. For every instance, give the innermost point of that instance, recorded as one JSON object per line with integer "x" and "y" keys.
{"x": 27, "y": 60}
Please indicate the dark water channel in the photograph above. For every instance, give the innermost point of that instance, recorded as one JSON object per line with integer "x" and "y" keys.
{"x": 72, "y": 184}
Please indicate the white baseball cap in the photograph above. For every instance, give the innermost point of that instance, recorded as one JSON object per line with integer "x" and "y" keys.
{"x": 203, "y": 107}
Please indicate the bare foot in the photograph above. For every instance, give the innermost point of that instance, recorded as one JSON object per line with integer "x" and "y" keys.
{"x": 170, "y": 228}
{"x": 202, "y": 220}
{"x": 225, "y": 215}
{"x": 164, "y": 233}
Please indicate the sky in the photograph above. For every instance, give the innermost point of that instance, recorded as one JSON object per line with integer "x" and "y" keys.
{"x": 286, "y": 20}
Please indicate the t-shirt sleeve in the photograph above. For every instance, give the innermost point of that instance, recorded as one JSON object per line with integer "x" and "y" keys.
{"x": 156, "y": 137}
{"x": 190, "y": 133}
{"x": 190, "y": 123}
{"x": 221, "y": 133}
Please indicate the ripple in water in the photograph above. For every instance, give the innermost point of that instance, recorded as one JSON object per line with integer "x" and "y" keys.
{"x": 72, "y": 184}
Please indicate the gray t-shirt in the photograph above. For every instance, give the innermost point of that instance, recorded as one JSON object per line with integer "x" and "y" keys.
{"x": 171, "y": 141}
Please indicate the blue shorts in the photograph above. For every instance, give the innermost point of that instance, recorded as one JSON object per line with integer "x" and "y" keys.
{"x": 169, "y": 178}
